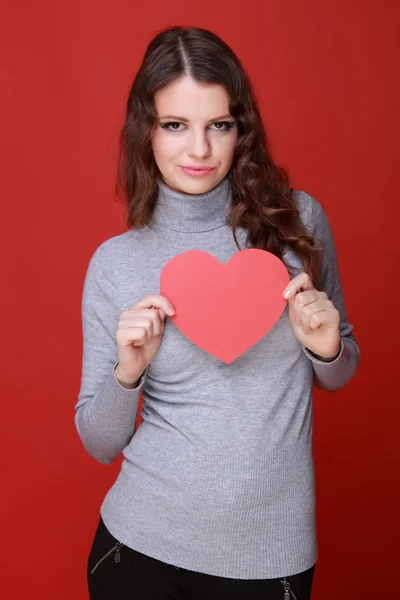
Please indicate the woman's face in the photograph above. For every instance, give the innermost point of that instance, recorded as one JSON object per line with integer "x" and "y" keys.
{"x": 194, "y": 129}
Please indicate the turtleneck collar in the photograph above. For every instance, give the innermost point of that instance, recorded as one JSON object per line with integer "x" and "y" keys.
{"x": 192, "y": 213}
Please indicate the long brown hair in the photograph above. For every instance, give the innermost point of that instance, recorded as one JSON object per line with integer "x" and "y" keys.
{"x": 262, "y": 201}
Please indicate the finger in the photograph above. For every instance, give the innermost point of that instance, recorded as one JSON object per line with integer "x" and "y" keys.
{"x": 310, "y": 321}
{"x": 129, "y": 318}
{"x": 158, "y": 302}
{"x": 305, "y": 299}
{"x": 137, "y": 336}
{"x": 145, "y": 322}
{"x": 141, "y": 338}
{"x": 158, "y": 317}
{"x": 318, "y": 319}
{"x": 322, "y": 304}
{"x": 141, "y": 312}
{"x": 161, "y": 314}
{"x": 301, "y": 281}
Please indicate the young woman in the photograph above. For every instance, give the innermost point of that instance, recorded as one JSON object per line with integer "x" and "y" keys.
{"x": 215, "y": 497}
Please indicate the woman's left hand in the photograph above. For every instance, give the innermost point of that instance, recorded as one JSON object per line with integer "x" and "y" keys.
{"x": 314, "y": 318}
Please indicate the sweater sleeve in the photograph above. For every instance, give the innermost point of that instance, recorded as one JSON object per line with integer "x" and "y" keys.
{"x": 334, "y": 374}
{"x": 105, "y": 414}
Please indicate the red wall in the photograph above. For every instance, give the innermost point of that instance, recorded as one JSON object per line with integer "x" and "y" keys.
{"x": 325, "y": 74}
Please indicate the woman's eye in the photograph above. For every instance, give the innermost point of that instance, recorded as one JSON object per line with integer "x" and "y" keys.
{"x": 225, "y": 125}
{"x": 219, "y": 125}
{"x": 171, "y": 125}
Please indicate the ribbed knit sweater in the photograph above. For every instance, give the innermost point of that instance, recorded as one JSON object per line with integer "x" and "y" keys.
{"x": 219, "y": 476}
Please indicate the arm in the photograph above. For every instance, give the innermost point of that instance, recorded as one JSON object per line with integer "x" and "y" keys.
{"x": 106, "y": 410}
{"x": 331, "y": 375}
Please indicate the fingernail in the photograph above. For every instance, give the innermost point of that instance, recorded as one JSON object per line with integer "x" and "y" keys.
{"x": 286, "y": 294}
{"x": 171, "y": 311}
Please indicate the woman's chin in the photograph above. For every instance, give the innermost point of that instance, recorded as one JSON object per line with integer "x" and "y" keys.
{"x": 191, "y": 184}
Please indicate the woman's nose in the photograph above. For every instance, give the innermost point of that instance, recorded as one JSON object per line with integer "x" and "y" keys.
{"x": 199, "y": 145}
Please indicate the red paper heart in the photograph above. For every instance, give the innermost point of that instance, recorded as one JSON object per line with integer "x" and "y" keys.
{"x": 225, "y": 309}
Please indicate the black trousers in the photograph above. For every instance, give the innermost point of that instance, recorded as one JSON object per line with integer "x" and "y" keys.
{"x": 121, "y": 573}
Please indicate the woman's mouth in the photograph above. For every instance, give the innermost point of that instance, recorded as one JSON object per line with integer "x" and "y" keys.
{"x": 197, "y": 171}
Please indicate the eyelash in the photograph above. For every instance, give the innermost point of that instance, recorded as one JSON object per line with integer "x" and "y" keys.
{"x": 228, "y": 125}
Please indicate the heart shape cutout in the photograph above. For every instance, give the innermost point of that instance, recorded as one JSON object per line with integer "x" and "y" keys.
{"x": 225, "y": 308}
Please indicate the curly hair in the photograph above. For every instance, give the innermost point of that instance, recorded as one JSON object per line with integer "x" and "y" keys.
{"x": 262, "y": 198}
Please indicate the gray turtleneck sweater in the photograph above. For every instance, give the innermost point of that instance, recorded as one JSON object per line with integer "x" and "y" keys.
{"x": 219, "y": 476}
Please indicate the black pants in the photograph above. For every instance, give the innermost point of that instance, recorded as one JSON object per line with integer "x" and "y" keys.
{"x": 115, "y": 573}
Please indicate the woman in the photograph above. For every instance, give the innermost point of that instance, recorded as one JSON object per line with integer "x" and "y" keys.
{"x": 215, "y": 497}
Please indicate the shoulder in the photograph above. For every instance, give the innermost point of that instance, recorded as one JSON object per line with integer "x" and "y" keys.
{"x": 311, "y": 211}
{"x": 115, "y": 251}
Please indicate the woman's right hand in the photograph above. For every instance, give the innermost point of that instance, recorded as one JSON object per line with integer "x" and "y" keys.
{"x": 139, "y": 334}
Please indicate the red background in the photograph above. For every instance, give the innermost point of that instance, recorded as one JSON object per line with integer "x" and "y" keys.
{"x": 325, "y": 74}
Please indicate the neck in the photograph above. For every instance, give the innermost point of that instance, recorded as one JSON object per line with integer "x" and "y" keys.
{"x": 179, "y": 211}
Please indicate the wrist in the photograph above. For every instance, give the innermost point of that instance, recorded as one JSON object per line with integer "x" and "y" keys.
{"x": 125, "y": 380}
{"x": 328, "y": 358}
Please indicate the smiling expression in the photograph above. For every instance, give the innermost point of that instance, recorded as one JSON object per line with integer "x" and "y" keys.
{"x": 194, "y": 130}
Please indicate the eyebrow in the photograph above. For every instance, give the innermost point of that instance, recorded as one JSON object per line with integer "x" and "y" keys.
{"x": 175, "y": 118}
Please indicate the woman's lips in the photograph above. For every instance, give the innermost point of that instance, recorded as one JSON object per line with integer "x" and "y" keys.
{"x": 197, "y": 172}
